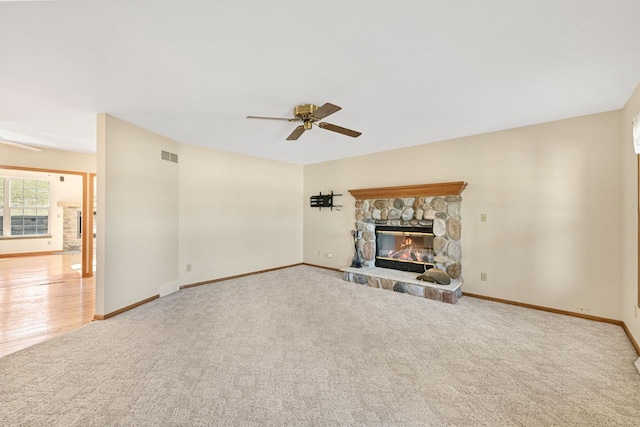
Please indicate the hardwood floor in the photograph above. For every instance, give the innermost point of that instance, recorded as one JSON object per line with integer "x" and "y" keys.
{"x": 42, "y": 297}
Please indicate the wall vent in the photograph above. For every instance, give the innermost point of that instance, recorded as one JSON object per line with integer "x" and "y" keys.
{"x": 170, "y": 157}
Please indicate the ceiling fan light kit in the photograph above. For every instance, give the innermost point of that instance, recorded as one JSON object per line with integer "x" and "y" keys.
{"x": 309, "y": 115}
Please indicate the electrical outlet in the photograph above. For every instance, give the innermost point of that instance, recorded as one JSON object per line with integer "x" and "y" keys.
{"x": 582, "y": 309}
{"x": 483, "y": 277}
{"x": 483, "y": 217}
{"x": 319, "y": 253}
{"x": 188, "y": 268}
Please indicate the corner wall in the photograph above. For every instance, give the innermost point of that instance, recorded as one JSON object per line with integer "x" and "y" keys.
{"x": 223, "y": 213}
{"x": 630, "y": 311}
{"x": 137, "y": 219}
{"x": 551, "y": 193}
{"x": 238, "y": 214}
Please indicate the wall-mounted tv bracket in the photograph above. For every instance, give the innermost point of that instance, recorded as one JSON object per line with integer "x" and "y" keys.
{"x": 325, "y": 201}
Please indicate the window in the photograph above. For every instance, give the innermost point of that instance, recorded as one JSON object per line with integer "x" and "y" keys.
{"x": 25, "y": 207}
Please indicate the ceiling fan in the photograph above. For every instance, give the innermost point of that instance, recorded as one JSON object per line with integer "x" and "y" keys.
{"x": 310, "y": 115}
{"x": 11, "y": 143}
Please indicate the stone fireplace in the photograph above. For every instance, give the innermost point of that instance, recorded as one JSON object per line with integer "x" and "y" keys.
{"x": 423, "y": 229}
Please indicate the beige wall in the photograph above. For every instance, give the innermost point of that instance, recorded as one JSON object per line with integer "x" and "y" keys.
{"x": 630, "y": 312}
{"x": 47, "y": 159}
{"x": 137, "y": 235}
{"x": 551, "y": 193}
{"x": 238, "y": 214}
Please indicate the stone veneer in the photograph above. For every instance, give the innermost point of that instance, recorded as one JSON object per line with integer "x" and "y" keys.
{"x": 414, "y": 211}
{"x": 71, "y": 241}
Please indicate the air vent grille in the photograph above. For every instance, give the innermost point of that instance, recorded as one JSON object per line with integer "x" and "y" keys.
{"x": 170, "y": 157}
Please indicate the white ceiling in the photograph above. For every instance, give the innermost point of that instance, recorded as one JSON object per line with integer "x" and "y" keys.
{"x": 406, "y": 72}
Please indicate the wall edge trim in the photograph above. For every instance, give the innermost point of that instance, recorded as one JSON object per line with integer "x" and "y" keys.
{"x": 28, "y": 254}
{"x": 123, "y": 309}
{"x": 631, "y": 338}
{"x": 322, "y": 266}
{"x": 237, "y": 276}
{"x": 634, "y": 343}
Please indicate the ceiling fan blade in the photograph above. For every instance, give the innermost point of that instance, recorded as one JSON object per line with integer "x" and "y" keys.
{"x": 296, "y": 133}
{"x": 272, "y": 118}
{"x": 18, "y": 145}
{"x": 339, "y": 129}
{"x": 326, "y": 110}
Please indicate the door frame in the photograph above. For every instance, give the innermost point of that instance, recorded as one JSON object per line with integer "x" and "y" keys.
{"x": 87, "y": 211}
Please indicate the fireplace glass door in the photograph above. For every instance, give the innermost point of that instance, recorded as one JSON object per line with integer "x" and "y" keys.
{"x": 404, "y": 248}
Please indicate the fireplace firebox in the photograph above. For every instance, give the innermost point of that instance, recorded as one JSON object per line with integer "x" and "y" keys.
{"x": 405, "y": 248}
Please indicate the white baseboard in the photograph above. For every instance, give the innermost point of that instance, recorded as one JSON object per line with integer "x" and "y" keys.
{"x": 169, "y": 288}
{"x": 638, "y": 364}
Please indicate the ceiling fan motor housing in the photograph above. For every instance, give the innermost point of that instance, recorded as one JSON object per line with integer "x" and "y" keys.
{"x": 304, "y": 111}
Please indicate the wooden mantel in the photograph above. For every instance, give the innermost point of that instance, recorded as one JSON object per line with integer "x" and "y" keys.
{"x": 422, "y": 190}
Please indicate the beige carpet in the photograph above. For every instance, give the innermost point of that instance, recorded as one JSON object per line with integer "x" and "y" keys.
{"x": 300, "y": 347}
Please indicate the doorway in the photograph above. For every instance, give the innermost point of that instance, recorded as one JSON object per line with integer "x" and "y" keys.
{"x": 47, "y": 262}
